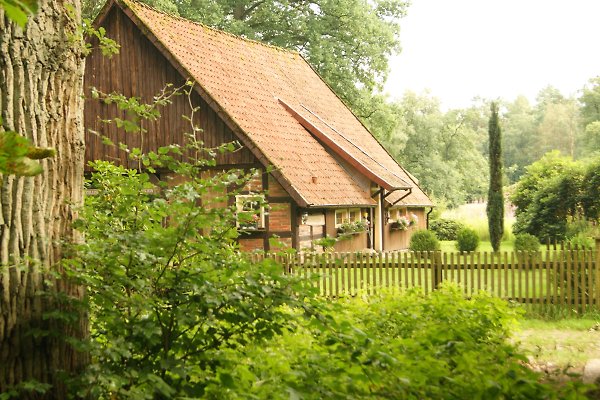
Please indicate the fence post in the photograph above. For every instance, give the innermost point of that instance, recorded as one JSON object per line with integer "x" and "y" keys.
{"x": 597, "y": 253}
{"x": 437, "y": 269}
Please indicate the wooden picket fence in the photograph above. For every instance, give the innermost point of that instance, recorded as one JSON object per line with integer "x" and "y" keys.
{"x": 568, "y": 278}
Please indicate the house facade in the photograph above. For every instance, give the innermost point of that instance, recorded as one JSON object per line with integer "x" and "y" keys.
{"x": 321, "y": 171}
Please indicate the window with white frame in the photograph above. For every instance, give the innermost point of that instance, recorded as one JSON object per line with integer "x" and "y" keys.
{"x": 341, "y": 216}
{"x": 250, "y": 212}
{"x": 354, "y": 215}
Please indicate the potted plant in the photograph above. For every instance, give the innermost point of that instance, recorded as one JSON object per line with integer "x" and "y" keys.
{"x": 349, "y": 228}
{"x": 413, "y": 219}
{"x": 401, "y": 224}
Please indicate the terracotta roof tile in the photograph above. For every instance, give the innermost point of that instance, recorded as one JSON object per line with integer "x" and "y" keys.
{"x": 247, "y": 79}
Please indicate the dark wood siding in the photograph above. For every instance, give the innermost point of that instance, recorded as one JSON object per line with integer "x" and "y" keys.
{"x": 140, "y": 70}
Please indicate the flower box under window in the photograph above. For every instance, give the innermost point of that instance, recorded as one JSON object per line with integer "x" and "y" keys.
{"x": 250, "y": 212}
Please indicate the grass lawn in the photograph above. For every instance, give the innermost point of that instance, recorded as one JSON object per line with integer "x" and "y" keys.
{"x": 450, "y": 246}
{"x": 561, "y": 343}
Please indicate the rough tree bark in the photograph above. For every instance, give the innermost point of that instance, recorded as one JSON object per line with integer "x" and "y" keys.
{"x": 41, "y": 73}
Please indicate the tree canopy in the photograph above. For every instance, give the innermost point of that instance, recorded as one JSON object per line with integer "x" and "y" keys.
{"x": 554, "y": 192}
{"x": 442, "y": 150}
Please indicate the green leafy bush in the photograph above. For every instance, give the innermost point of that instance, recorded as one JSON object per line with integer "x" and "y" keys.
{"x": 467, "y": 240}
{"x": 581, "y": 241}
{"x": 178, "y": 312}
{"x": 526, "y": 242}
{"x": 445, "y": 229}
{"x": 424, "y": 240}
{"x": 390, "y": 346}
{"x": 170, "y": 296}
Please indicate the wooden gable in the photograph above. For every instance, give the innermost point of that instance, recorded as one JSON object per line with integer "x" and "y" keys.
{"x": 140, "y": 70}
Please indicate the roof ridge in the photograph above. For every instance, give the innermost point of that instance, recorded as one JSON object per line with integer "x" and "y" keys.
{"x": 218, "y": 31}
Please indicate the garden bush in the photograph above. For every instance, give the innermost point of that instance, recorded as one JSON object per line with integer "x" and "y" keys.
{"x": 397, "y": 346}
{"x": 445, "y": 229}
{"x": 179, "y": 313}
{"x": 424, "y": 240}
{"x": 467, "y": 240}
{"x": 526, "y": 242}
{"x": 581, "y": 241}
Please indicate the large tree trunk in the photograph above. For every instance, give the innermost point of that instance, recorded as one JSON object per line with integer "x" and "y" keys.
{"x": 41, "y": 72}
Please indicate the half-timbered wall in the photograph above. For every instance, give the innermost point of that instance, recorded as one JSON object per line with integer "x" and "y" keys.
{"x": 281, "y": 218}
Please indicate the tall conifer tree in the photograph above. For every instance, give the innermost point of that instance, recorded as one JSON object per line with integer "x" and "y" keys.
{"x": 495, "y": 205}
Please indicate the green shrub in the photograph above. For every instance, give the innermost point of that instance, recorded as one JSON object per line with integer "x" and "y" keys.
{"x": 467, "y": 240}
{"x": 445, "y": 229}
{"x": 581, "y": 241}
{"x": 424, "y": 240}
{"x": 397, "y": 346}
{"x": 526, "y": 242}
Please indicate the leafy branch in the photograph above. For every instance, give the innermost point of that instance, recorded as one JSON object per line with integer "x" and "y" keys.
{"x": 18, "y": 156}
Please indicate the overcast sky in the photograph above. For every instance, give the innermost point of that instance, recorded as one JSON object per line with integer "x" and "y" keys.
{"x": 460, "y": 49}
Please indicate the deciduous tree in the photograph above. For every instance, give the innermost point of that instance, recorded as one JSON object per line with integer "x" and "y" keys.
{"x": 41, "y": 68}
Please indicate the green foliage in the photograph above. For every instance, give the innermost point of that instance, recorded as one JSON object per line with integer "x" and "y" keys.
{"x": 424, "y": 240}
{"x": 107, "y": 46}
{"x": 327, "y": 242}
{"x": 440, "y": 149}
{"x": 495, "y": 204}
{"x": 526, "y": 242}
{"x": 445, "y": 229}
{"x": 590, "y": 100}
{"x": 555, "y": 191}
{"x": 581, "y": 241}
{"x": 590, "y": 198}
{"x": 177, "y": 312}
{"x": 170, "y": 297}
{"x": 520, "y": 144}
{"x": 19, "y": 10}
{"x": 467, "y": 240}
{"x": 18, "y": 156}
{"x": 436, "y": 346}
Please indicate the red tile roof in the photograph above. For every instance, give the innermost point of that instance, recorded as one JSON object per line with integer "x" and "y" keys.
{"x": 263, "y": 89}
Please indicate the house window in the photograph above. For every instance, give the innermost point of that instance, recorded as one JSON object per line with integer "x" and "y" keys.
{"x": 341, "y": 216}
{"x": 250, "y": 212}
{"x": 354, "y": 215}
